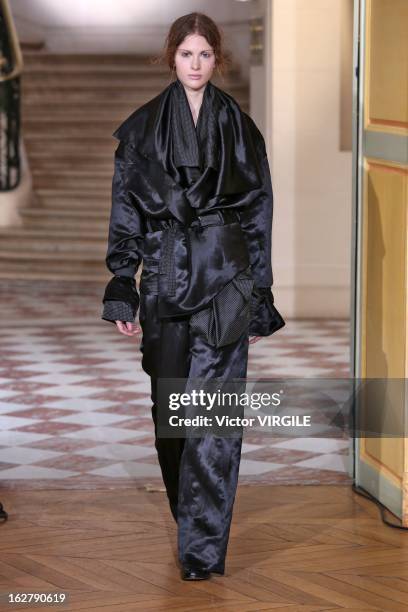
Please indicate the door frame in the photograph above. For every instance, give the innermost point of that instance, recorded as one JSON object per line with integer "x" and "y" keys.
{"x": 377, "y": 485}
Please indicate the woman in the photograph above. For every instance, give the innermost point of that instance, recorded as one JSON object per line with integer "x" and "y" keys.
{"x": 192, "y": 199}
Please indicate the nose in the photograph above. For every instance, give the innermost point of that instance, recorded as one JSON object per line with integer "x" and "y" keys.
{"x": 195, "y": 63}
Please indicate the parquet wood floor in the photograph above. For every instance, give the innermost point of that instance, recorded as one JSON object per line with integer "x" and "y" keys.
{"x": 292, "y": 548}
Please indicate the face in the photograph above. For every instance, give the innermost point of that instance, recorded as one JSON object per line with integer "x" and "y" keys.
{"x": 194, "y": 61}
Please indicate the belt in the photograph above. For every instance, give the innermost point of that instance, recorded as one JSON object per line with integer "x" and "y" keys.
{"x": 167, "y": 272}
{"x": 182, "y": 276}
{"x": 214, "y": 217}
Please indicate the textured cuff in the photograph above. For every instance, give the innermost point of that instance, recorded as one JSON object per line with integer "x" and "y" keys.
{"x": 122, "y": 290}
{"x": 265, "y": 318}
{"x": 113, "y": 310}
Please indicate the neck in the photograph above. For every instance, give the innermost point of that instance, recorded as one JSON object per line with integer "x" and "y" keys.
{"x": 195, "y": 93}
{"x": 195, "y": 99}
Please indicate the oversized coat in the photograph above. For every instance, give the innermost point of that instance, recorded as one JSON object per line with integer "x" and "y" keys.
{"x": 195, "y": 206}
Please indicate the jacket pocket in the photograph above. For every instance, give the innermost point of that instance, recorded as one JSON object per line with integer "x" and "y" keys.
{"x": 228, "y": 315}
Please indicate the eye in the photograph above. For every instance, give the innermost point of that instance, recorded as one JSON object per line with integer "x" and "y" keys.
{"x": 206, "y": 54}
{"x": 185, "y": 53}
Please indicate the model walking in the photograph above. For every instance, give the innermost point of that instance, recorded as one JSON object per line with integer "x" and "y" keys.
{"x": 192, "y": 199}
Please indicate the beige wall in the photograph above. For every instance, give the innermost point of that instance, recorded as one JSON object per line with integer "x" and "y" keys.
{"x": 311, "y": 176}
{"x": 258, "y": 72}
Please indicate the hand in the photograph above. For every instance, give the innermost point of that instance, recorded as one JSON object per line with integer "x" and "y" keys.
{"x": 127, "y": 328}
{"x": 254, "y": 339}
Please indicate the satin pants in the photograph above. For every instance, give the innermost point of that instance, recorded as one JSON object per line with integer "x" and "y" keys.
{"x": 200, "y": 474}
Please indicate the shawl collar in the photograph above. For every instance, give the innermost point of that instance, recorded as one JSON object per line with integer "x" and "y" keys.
{"x": 225, "y": 147}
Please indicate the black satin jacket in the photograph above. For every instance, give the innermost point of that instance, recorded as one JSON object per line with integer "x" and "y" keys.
{"x": 166, "y": 172}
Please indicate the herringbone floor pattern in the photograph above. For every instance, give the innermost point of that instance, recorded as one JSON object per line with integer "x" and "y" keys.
{"x": 291, "y": 548}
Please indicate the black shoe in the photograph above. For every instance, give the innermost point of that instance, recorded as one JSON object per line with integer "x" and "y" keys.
{"x": 194, "y": 573}
{"x": 3, "y": 513}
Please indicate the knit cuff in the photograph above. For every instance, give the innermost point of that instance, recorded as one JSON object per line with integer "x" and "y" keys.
{"x": 121, "y": 299}
{"x": 113, "y": 310}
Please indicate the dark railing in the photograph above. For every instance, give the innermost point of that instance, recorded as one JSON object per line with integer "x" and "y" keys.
{"x": 10, "y": 70}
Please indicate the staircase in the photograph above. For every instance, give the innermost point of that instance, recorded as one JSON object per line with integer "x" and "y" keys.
{"x": 71, "y": 104}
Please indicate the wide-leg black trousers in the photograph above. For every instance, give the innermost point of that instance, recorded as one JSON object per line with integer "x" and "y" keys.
{"x": 200, "y": 474}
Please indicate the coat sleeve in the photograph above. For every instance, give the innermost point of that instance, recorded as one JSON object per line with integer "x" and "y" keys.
{"x": 125, "y": 243}
{"x": 256, "y": 222}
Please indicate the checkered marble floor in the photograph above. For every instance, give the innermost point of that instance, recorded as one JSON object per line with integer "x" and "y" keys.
{"x": 75, "y": 406}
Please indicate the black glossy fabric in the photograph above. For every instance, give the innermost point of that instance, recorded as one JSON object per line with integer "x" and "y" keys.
{"x": 193, "y": 204}
{"x": 231, "y": 145}
{"x": 200, "y": 474}
{"x": 153, "y": 181}
{"x": 265, "y": 318}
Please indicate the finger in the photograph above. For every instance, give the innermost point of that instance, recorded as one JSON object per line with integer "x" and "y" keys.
{"x": 133, "y": 328}
{"x": 130, "y": 329}
{"x": 254, "y": 339}
{"x": 122, "y": 328}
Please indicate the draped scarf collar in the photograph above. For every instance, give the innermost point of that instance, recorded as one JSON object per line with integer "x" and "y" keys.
{"x": 194, "y": 146}
{"x": 219, "y": 156}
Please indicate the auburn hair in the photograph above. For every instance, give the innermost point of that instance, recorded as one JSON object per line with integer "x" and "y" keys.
{"x": 195, "y": 23}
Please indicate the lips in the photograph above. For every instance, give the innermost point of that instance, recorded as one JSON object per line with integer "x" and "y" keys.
{"x": 195, "y": 76}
